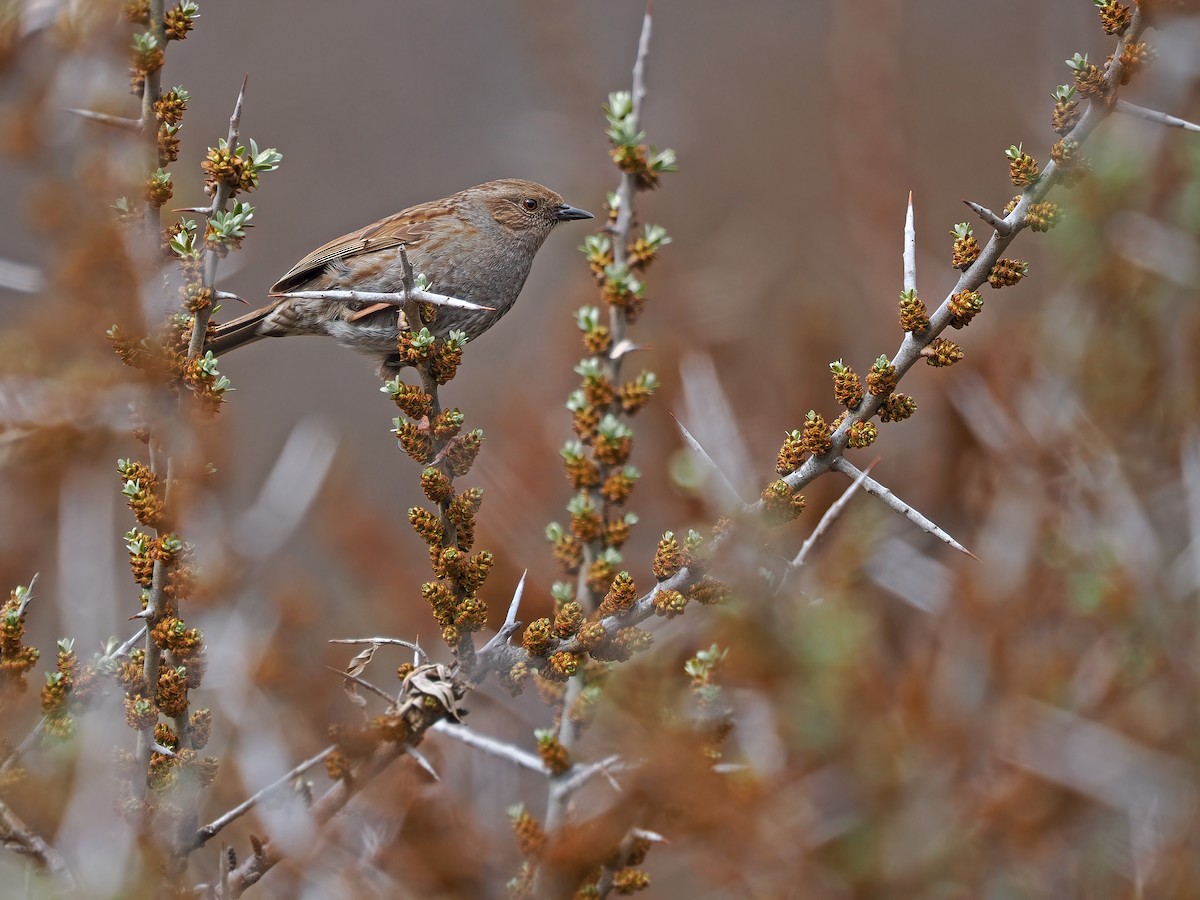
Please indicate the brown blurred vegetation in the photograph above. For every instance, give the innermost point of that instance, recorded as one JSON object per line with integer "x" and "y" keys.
{"x": 911, "y": 722}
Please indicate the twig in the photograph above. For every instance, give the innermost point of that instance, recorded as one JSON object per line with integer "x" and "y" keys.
{"x": 209, "y": 830}
{"x": 997, "y": 222}
{"x": 130, "y": 642}
{"x": 362, "y": 682}
{"x": 148, "y": 123}
{"x": 827, "y": 519}
{"x": 578, "y": 776}
{"x": 391, "y": 299}
{"x": 220, "y": 198}
{"x": 121, "y": 122}
{"x": 873, "y": 487}
{"x": 325, "y": 808}
{"x": 623, "y": 227}
{"x": 1153, "y": 115}
{"x": 497, "y": 748}
{"x": 382, "y": 640}
{"x": 22, "y": 748}
{"x": 28, "y": 596}
{"x": 703, "y": 454}
{"x": 421, "y": 761}
{"x": 18, "y": 836}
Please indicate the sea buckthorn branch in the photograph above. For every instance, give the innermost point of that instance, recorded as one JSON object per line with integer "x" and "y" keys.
{"x": 429, "y": 693}
{"x": 158, "y": 679}
{"x": 596, "y": 461}
{"x": 16, "y": 660}
{"x": 817, "y": 449}
{"x": 434, "y": 438}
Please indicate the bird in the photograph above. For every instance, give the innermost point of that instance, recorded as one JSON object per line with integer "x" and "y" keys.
{"x": 477, "y": 245}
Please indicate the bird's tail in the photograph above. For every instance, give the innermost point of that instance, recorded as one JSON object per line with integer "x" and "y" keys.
{"x": 238, "y": 332}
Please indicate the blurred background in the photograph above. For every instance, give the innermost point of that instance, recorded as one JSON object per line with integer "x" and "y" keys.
{"x": 912, "y": 722}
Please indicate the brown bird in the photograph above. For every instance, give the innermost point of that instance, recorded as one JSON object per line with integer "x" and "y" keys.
{"x": 477, "y": 245}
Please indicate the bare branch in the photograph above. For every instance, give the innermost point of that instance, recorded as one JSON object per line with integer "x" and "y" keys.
{"x": 362, "y": 682}
{"x": 19, "y": 837}
{"x": 497, "y": 748}
{"x": 577, "y": 776}
{"x": 835, "y": 510}
{"x": 382, "y": 640}
{"x": 203, "y": 835}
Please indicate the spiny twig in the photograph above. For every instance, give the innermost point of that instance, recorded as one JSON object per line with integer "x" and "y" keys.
{"x": 997, "y": 222}
{"x": 120, "y": 122}
{"x": 894, "y": 503}
{"x": 500, "y": 749}
{"x": 1153, "y": 115}
{"x": 383, "y": 298}
{"x": 213, "y": 827}
{"x": 734, "y": 496}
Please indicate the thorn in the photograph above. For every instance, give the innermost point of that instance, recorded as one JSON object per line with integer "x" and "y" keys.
{"x": 134, "y": 125}
{"x": 1153, "y": 115}
{"x": 1002, "y": 228}
{"x": 202, "y": 210}
{"x": 873, "y": 487}
{"x": 703, "y": 454}
{"x": 423, "y": 763}
{"x": 910, "y": 248}
{"x": 827, "y": 519}
{"x": 626, "y": 346}
{"x": 235, "y": 121}
{"x": 225, "y": 295}
{"x": 511, "y": 617}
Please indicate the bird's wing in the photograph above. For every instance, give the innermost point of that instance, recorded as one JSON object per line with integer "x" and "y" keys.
{"x": 407, "y": 228}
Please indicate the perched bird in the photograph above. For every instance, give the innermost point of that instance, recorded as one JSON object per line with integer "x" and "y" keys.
{"x": 477, "y": 245}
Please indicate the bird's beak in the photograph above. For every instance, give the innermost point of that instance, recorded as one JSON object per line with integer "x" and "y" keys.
{"x": 568, "y": 213}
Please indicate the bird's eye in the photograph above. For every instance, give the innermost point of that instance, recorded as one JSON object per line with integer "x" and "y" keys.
{"x": 529, "y": 203}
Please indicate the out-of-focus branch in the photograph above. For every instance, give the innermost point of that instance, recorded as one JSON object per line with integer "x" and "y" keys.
{"x": 1153, "y": 115}
{"x": 215, "y": 826}
{"x": 19, "y": 837}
